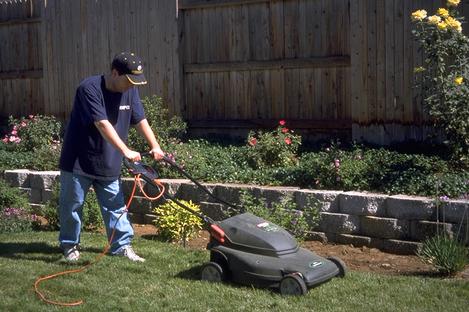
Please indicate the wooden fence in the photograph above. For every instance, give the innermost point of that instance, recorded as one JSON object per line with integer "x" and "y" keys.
{"x": 330, "y": 65}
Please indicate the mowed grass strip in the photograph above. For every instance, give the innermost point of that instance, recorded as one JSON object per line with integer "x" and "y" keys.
{"x": 168, "y": 281}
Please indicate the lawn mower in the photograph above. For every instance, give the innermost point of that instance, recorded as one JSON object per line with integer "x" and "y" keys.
{"x": 249, "y": 250}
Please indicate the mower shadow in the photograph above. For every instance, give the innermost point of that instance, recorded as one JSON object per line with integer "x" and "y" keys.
{"x": 35, "y": 251}
{"x": 190, "y": 274}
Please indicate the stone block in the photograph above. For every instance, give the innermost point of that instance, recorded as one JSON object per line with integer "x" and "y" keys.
{"x": 17, "y": 178}
{"x": 348, "y": 239}
{"x": 43, "y": 179}
{"x": 140, "y": 205}
{"x": 190, "y": 191}
{"x": 231, "y": 193}
{"x": 395, "y": 246}
{"x": 421, "y": 230}
{"x": 46, "y": 195}
{"x": 172, "y": 185}
{"x": 329, "y": 200}
{"x": 276, "y": 194}
{"x": 35, "y": 196}
{"x": 149, "y": 218}
{"x": 318, "y": 236}
{"x": 338, "y": 223}
{"x": 136, "y": 218}
{"x": 37, "y": 209}
{"x": 362, "y": 204}
{"x": 454, "y": 211}
{"x": 410, "y": 208}
{"x": 384, "y": 227}
{"x": 213, "y": 210}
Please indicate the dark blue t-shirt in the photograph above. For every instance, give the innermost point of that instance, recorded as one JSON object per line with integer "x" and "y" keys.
{"x": 85, "y": 151}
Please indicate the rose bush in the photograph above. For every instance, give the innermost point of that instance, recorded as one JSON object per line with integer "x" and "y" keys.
{"x": 445, "y": 73}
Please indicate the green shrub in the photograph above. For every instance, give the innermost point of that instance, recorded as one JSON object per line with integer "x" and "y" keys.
{"x": 445, "y": 74}
{"x": 283, "y": 213}
{"x": 12, "y": 197}
{"x": 176, "y": 224}
{"x": 446, "y": 254}
{"x": 15, "y": 214}
{"x": 14, "y": 220}
{"x": 166, "y": 128}
{"x": 33, "y": 132}
{"x": 275, "y": 148}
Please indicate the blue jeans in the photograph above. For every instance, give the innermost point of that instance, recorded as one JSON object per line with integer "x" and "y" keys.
{"x": 73, "y": 190}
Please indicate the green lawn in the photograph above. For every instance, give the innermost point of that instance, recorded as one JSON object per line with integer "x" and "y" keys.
{"x": 167, "y": 282}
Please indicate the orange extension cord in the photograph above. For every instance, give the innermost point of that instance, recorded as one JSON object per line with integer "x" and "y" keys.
{"x": 98, "y": 258}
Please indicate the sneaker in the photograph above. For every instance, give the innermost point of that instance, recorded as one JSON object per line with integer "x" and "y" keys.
{"x": 129, "y": 253}
{"x": 72, "y": 254}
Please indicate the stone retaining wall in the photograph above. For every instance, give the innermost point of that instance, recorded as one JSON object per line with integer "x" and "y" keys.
{"x": 391, "y": 223}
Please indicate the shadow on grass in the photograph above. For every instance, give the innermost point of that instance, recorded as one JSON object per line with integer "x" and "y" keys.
{"x": 432, "y": 274}
{"x": 191, "y": 274}
{"x": 35, "y": 251}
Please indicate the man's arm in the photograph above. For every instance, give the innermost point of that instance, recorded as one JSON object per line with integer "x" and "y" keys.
{"x": 145, "y": 130}
{"x": 110, "y": 135}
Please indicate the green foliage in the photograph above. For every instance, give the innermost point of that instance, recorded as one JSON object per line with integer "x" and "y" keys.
{"x": 176, "y": 224}
{"x": 446, "y": 254}
{"x": 274, "y": 148}
{"x": 15, "y": 215}
{"x": 33, "y": 142}
{"x": 13, "y": 220}
{"x": 445, "y": 74}
{"x": 92, "y": 220}
{"x": 33, "y": 132}
{"x": 168, "y": 129}
{"x": 284, "y": 213}
{"x": 12, "y": 196}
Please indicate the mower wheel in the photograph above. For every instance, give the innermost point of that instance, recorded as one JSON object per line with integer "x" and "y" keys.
{"x": 293, "y": 285}
{"x": 340, "y": 264}
{"x": 212, "y": 272}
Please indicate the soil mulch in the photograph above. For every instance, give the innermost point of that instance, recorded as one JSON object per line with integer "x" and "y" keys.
{"x": 356, "y": 258}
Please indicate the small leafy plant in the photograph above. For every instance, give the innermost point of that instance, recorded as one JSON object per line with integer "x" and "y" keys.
{"x": 446, "y": 254}
{"x": 175, "y": 223}
{"x": 283, "y": 213}
{"x": 275, "y": 148}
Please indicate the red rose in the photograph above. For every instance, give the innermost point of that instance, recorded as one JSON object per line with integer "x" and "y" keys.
{"x": 253, "y": 141}
{"x": 285, "y": 130}
{"x": 288, "y": 141}
{"x": 282, "y": 122}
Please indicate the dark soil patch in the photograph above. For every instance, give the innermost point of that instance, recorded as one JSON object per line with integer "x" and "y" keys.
{"x": 356, "y": 258}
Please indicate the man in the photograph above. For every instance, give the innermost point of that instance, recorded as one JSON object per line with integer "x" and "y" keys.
{"x": 94, "y": 146}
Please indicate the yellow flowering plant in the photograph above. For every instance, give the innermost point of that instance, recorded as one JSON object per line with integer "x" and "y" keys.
{"x": 444, "y": 73}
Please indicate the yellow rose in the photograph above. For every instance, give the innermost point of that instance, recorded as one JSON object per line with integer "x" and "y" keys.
{"x": 442, "y": 12}
{"x": 434, "y": 19}
{"x": 442, "y": 25}
{"x": 454, "y": 24}
{"x": 458, "y": 80}
{"x": 419, "y": 15}
{"x": 454, "y": 3}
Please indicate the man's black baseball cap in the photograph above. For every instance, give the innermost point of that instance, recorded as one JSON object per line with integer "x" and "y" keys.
{"x": 130, "y": 65}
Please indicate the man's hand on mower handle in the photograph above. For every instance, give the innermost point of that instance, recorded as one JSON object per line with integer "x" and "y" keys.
{"x": 133, "y": 156}
{"x": 157, "y": 153}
